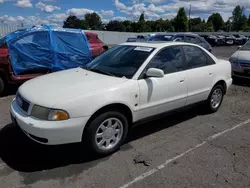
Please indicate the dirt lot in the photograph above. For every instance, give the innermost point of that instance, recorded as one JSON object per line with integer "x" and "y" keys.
{"x": 188, "y": 149}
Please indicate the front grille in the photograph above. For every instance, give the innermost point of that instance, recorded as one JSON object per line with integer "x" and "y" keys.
{"x": 22, "y": 103}
{"x": 245, "y": 64}
{"x": 245, "y": 74}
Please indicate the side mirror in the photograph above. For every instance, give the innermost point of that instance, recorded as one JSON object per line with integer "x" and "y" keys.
{"x": 153, "y": 72}
{"x": 239, "y": 47}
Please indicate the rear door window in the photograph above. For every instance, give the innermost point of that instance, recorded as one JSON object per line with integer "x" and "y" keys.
{"x": 194, "y": 56}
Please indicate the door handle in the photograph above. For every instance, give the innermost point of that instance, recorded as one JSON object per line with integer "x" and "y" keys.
{"x": 181, "y": 81}
{"x": 210, "y": 74}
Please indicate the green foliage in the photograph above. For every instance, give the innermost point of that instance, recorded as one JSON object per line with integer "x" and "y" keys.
{"x": 74, "y": 22}
{"x": 141, "y": 19}
{"x": 94, "y": 21}
{"x": 238, "y": 22}
{"x": 91, "y": 21}
{"x": 195, "y": 24}
{"x": 239, "y": 19}
{"x": 181, "y": 20}
{"x": 115, "y": 25}
{"x": 217, "y": 21}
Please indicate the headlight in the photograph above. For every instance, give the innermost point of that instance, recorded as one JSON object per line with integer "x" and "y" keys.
{"x": 44, "y": 113}
{"x": 58, "y": 115}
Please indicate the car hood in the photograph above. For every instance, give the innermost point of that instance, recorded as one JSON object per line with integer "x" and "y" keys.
{"x": 242, "y": 55}
{"x": 57, "y": 87}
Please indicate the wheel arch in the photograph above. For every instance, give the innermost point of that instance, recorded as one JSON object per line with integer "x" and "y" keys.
{"x": 223, "y": 84}
{"x": 119, "y": 107}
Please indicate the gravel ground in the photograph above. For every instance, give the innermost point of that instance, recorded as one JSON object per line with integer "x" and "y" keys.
{"x": 188, "y": 149}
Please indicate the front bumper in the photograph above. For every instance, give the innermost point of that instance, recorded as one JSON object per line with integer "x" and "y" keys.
{"x": 239, "y": 71}
{"x": 241, "y": 75}
{"x": 229, "y": 83}
{"x": 48, "y": 132}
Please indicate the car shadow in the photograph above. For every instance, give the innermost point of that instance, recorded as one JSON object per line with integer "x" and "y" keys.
{"x": 164, "y": 122}
{"x": 23, "y": 155}
{"x": 241, "y": 82}
{"x": 11, "y": 90}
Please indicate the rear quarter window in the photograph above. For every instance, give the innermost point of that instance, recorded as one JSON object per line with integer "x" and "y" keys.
{"x": 196, "y": 57}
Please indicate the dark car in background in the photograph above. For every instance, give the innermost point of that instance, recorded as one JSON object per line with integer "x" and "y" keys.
{"x": 139, "y": 38}
{"x": 230, "y": 40}
{"x": 211, "y": 39}
{"x": 221, "y": 40}
{"x": 182, "y": 37}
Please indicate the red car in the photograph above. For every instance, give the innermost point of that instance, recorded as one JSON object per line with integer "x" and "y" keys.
{"x": 7, "y": 76}
{"x": 97, "y": 47}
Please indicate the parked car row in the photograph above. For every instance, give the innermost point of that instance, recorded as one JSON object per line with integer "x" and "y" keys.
{"x": 176, "y": 37}
{"x": 213, "y": 40}
{"x": 225, "y": 40}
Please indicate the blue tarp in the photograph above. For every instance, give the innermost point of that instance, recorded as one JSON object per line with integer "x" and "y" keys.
{"x": 47, "y": 48}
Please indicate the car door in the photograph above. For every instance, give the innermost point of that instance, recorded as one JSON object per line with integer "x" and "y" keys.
{"x": 158, "y": 95}
{"x": 200, "y": 74}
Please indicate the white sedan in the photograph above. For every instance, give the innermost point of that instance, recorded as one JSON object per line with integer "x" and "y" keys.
{"x": 98, "y": 103}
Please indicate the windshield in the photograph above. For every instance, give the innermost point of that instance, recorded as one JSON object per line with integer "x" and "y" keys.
{"x": 246, "y": 47}
{"x": 161, "y": 38}
{"x": 120, "y": 61}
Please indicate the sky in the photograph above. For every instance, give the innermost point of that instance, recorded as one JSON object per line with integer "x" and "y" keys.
{"x": 54, "y": 12}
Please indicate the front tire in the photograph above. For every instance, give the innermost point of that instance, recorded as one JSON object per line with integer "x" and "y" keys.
{"x": 106, "y": 133}
{"x": 2, "y": 86}
{"x": 215, "y": 98}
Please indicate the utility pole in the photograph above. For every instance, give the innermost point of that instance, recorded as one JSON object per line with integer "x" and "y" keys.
{"x": 189, "y": 25}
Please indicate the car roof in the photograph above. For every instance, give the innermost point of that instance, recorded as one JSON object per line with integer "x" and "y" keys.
{"x": 157, "y": 44}
{"x": 179, "y": 34}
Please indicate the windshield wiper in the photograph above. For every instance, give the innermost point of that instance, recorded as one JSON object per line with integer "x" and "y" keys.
{"x": 101, "y": 71}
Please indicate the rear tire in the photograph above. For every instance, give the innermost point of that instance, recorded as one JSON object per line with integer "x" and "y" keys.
{"x": 106, "y": 133}
{"x": 215, "y": 98}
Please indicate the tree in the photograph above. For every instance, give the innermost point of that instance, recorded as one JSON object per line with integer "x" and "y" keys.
{"x": 115, "y": 25}
{"x": 127, "y": 25}
{"x": 142, "y": 19}
{"x": 74, "y": 22}
{"x": 195, "y": 24}
{"x": 227, "y": 26}
{"x": 238, "y": 19}
{"x": 217, "y": 21}
{"x": 243, "y": 22}
{"x": 248, "y": 21}
{"x": 135, "y": 27}
{"x": 94, "y": 21}
{"x": 181, "y": 20}
{"x": 141, "y": 23}
{"x": 209, "y": 27}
